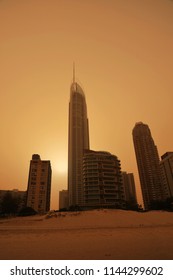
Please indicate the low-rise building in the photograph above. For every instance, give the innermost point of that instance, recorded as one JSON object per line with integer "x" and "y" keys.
{"x": 63, "y": 199}
{"x": 18, "y": 197}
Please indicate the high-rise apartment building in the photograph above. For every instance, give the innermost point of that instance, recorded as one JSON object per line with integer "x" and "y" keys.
{"x": 102, "y": 180}
{"x": 78, "y": 141}
{"x": 167, "y": 169}
{"x": 39, "y": 184}
{"x": 148, "y": 165}
{"x": 129, "y": 189}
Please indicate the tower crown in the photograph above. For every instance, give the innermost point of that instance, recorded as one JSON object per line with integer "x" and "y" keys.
{"x": 75, "y": 87}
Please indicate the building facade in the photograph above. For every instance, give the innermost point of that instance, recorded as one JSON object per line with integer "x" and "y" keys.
{"x": 129, "y": 189}
{"x": 78, "y": 141}
{"x": 148, "y": 165}
{"x": 39, "y": 184}
{"x": 167, "y": 169}
{"x": 102, "y": 180}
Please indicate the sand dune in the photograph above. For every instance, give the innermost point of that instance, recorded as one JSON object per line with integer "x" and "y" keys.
{"x": 97, "y": 234}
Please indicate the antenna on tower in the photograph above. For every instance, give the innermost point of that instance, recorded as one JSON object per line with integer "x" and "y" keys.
{"x": 73, "y": 72}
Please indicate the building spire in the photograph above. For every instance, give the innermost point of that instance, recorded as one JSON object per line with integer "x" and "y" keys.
{"x": 73, "y": 72}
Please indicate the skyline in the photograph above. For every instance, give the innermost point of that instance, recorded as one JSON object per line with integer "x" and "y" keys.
{"x": 123, "y": 57}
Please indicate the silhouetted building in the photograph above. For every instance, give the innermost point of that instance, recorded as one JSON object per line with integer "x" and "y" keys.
{"x": 39, "y": 184}
{"x": 63, "y": 199}
{"x": 19, "y": 197}
{"x": 102, "y": 180}
{"x": 148, "y": 165}
{"x": 129, "y": 189}
{"x": 77, "y": 142}
{"x": 167, "y": 169}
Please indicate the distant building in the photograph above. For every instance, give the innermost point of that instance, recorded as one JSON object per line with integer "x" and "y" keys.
{"x": 148, "y": 165}
{"x": 39, "y": 184}
{"x": 102, "y": 180}
{"x": 20, "y": 197}
{"x": 63, "y": 199}
{"x": 129, "y": 189}
{"x": 167, "y": 169}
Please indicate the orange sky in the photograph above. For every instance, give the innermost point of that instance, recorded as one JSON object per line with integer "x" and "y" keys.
{"x": 123, "y": 50}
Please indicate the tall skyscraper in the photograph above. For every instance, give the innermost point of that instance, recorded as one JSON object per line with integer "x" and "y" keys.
{"x": 78, "y": 141}
{"x": 39, "y": 184}
{"x": 148, "y": 165}
{"x": 102, "y": 180}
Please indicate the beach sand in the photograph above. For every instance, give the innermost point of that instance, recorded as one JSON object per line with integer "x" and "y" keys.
{"x": 88, "y": 235}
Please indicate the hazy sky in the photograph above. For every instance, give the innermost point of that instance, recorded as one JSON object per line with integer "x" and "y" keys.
{"x": 123, "y": 50}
